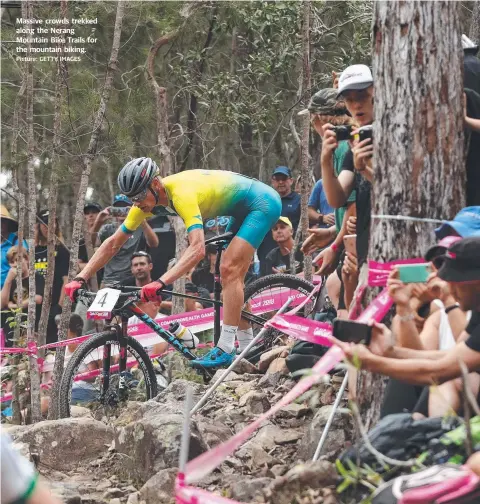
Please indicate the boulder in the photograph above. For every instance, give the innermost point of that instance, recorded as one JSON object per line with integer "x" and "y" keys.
{"x": 267, "y": 357}
{"x": 151, "y": 436}
{"x": 63, "y": 444}
{"x": 159, "y": 488}
{"x": 278, "y": 365}
{"x": 336, "y": 438}
{"x": 244, "y": 489}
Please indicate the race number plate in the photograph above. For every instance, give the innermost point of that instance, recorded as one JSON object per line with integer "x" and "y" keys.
{"x": 103, "y": 304}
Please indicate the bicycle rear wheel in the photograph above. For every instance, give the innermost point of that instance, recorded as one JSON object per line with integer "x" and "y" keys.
{"x": 266, "y": 296}
{"x": 83, "y": 381}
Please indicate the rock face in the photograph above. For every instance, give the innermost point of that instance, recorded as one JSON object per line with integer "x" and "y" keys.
{"x": 159, "y": 488}
{"x": 335, "y": 442}
{"x": 63, "y": 444}
{"x": 150, "y": 433}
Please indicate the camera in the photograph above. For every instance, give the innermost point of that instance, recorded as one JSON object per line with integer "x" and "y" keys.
{"x": 343, "y": 132}
{"x": 118, "y": 211}
{"x": 365, "y": 132}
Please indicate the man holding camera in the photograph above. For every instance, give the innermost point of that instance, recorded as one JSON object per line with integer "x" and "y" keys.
{"x": 118, "y": 269}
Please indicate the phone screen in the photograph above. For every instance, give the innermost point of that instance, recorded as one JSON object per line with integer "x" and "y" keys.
{"x": 352, "y": 332}
{"x": 414, "y": 273}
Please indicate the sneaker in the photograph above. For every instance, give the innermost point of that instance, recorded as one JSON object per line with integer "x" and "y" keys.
{"x": 215, "y": 358}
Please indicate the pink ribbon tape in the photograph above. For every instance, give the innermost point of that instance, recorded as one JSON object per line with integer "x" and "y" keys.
{"x": 204, "y": 464}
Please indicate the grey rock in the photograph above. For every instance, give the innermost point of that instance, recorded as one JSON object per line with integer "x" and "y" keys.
{"x": 159, "y": 488}
{"x": 256, "y": 403}
{"x": 63, "y": 444}
{"x": 134, "y": 498}
{"x": 213, "y": 433}
{"x": 79, "y": 411}
{"x": 278, "y": 470}
{"x": 115, "y": 501}
{"x": 113, "y": 492}
{"x": 151, "y": 439}
{"x": 103, "y": 485}
{"x": 269, "y": 380}
{"x": 68, "y": 493}
{"x": 314, "y": 475}
{"x": 293, "y": 410}
{"x": 244, "y": 388}
{"x": 245, "y": 489}
{"x": 231, "y": 376}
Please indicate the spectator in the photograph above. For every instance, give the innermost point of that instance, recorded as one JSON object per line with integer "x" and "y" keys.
{"x": 356, "y": 88}
{"x": 320, "y": 213}
{"x": 471, "y": 65}
{"x": 162, "y": 227}
{"x": 9, "y": 239}
{"x": 60, "y": 276}
{"x": 191, "y": 304}
{"x": 204, "y": 276}
{"x": 466, "y": 223}
{"x": 141, "y": 267}
{"x": 282, "y": 182}
{"x": 278, "y": 259}
{"x": 118, "y": 270}
{"x": 90, "y": 211}
{"x": 9, "y": 289}
{"x": 460, "y": 268}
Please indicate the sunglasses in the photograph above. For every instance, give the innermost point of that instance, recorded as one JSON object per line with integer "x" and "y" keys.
{"x": 142, "y": 195}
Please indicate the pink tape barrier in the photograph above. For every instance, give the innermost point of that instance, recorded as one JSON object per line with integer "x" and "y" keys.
{"x": 319, "y": 333}
{"x": 204, "y": 464}
{"x": 448, "y": 491}
{"x": 378, "y": 272}
{"x": 191, "y": 495}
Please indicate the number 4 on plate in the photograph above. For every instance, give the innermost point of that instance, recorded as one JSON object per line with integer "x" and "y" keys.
{"x": 103, "y": 304}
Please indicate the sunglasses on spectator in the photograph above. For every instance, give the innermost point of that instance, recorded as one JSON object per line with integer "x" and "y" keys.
{"x": 141, "y": 253}
{"x": 281, "y": 178}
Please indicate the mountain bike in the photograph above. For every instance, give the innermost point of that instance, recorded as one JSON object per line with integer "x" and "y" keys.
{"x": 112, "y": 367}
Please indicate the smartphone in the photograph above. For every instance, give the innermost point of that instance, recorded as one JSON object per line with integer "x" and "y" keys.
{"x": 351, "y": 331}
{"x": 414, "y": 273}
{"x": 365, "y": 132}
{"x": 350, "y": 242}
{"x": 118, "y": 211}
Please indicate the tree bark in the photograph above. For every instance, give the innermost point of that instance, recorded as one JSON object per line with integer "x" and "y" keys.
{"x": 78, "y": 221}
{"x": 27, "y": 12}
{"x": 418, "y": 138}
{"x": 305, "y": 139}
{"x": 474, "y": 32}
{"x": 60, "y": 83}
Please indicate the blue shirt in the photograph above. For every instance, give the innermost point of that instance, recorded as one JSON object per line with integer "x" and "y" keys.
{"x": 5, "y": 247}
{"x": 318, "y": 200}
{"x": 291, "y": 208}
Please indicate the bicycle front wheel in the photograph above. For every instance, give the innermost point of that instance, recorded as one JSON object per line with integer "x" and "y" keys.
{"x": 266, "y": 296}
{"x": 92, "y": 379}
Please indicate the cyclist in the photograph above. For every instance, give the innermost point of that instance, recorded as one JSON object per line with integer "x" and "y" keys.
{"x": 195, "y": 195}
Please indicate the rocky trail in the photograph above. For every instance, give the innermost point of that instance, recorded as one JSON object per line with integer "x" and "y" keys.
{"x": 133, "y": 459}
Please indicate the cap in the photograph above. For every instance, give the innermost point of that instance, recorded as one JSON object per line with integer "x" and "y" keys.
{"x": 191, "y": 287}
{"x": 441, "y": 247}
{"x": 354, "y": 77}
{"x": 43, "y": 216}
{"x": 286, "y": 221}
{"x": 461, "y": 262}
{"x": 465, "y": 223}
{"x": 121, "y": 200}
{"x": 325, "y": 102}
{"x": 282, "y": 170}
{"x": 92, "y": 206}
{"x": 5, "y": 216}
{"x": 468, "y": 44}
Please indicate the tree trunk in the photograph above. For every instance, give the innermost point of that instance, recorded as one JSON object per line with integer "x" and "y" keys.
{"x": 60, "y": 83}
{"x": 418, "y": 137}
{"x": 78, "y": 221}
{"x": 27, "y": 12}
{"x": 474, "y": 32}
{"x": 305, "y": 139}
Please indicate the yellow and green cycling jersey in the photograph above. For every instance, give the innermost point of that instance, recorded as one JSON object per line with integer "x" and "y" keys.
{"x": 195, "y": 195}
